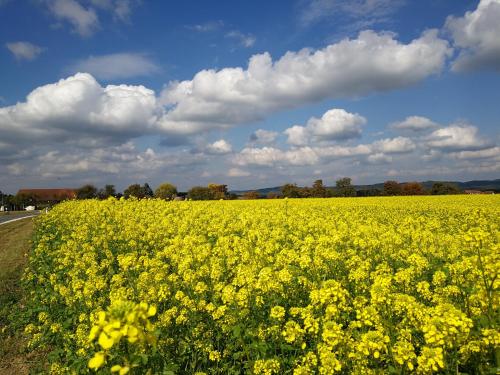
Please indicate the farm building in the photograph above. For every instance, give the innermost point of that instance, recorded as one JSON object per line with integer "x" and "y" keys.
{"x": 47, "y": 196}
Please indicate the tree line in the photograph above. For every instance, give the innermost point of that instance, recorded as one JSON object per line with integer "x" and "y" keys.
{"x": 343, "y": 188}
{"x": 165, "y": 191}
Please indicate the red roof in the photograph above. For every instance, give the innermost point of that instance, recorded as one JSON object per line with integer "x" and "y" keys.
{"x": 49, "y": 194}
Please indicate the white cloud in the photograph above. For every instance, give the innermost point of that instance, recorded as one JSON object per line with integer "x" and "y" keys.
{"x": 78, "y": 109}
{"x": 489, "y": 153}
{"x": 238, "y": 172}
{"x": 352, "y": 67}
{"x": 269, "y": 156}
{"x": 16, "y": 169}
{"x": 379, "y": 158}
{"x": 478, "y": 34}
{"x": 414, "y": 123}
{"x": 356, "y": 13}
{"x": 117, "y": 66}
{"x": 24, "y": 50}
{"x": 264, "y": 137}
{"x": 121, "y": 9}
{"x": 432, "y": 155}
{"x": 298, "y": 156}
{"x": 398, "y": 145}
{"x": 297, "y": 135}
{"x": 378, "y": 152}
{"x": 246, "y": 40}
{"x": 335, "y": 124}
{"x": 84, "y": 21}
{"x": 336, "y": 152}
{"x": 79, "y": 163}
{"x": 219, "y": 147}
{"x": 457, "y": 138}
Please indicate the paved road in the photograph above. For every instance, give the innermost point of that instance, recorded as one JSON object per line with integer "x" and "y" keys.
{"x": 5, "y": 218}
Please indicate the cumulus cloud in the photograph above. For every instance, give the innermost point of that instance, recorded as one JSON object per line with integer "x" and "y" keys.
{"x": 81, "y": 165}
{"x": 488, "y": 153}
{"x": 269, "y": 156}
{"x": 84, "y": 20}
{"x": 117, "y": 66}
{"x": 335, "y": 124}
{"x": 398, "y": 145}
{"x": 477, "y": 33}
{"x": 238, "y": 172}
{"x": 299, "y": 156}
{"x": 297, "y": 135}
{"x": 24, "y": 50}
{"x": 379, "y": 158}
{"x": 352, "y": 67}
{"x": 457, "y": 138}
{"x": 219, "y": 147}
{"x": 378, "y": 152}
{"x": 78, "y": 109}
{"x": 414, "y": 124}
{"x": 262, "y": 136}
{"x": 338, "y": 152}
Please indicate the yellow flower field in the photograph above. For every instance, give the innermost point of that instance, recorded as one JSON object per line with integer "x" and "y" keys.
{"x": 319, "y": 286}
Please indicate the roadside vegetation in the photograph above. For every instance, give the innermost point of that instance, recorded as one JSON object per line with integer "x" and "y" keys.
{"x": 15, "y": 244}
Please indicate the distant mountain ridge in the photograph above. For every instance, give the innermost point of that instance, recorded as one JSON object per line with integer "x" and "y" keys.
{"x": 468, "y": 185}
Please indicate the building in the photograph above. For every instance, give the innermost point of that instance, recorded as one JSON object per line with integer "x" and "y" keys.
{"x": 46, "y": 196}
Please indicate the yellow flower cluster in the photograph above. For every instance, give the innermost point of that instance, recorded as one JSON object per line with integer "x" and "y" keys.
{"x": 316, "y": 286}
{"x": 122, "y": 320}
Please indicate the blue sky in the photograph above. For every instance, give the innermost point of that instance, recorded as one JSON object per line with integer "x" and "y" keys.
{"x": 250, "y": 94}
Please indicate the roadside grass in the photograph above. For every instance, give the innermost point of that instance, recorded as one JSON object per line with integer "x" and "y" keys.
{"x": 15, "y": 244}
{"x": 14, "y": 213}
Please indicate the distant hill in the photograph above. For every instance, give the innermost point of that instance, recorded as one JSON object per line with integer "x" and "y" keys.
{"x": 468, "y": 185}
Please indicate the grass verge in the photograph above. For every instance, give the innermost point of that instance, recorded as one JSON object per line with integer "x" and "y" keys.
{"x": 14, "y": 214}
{"x": 15, "y": 243}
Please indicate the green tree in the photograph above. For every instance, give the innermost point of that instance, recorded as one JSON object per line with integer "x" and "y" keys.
{"x": 219, "y": 191}
{"x": 200, "y": 193}
{"x": 108, "y": 191}
{"x": 86, "y": 192}
{"x": 369, "y": 193}
{"x": 134, "y": 190}
{"x": 22, "y": 200}
{"x": 290, "y": 191}
{"x": 392, "y": 188}
{"x": 273, "y": 195}
{"x": 166, "y": 191}
{"x": 251, "y": 195}
{"x": 441, "y": 188}
{"x": 413, "y": 188}
{"x": 318, "y": 189}
{"x": 344, "y": 187}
